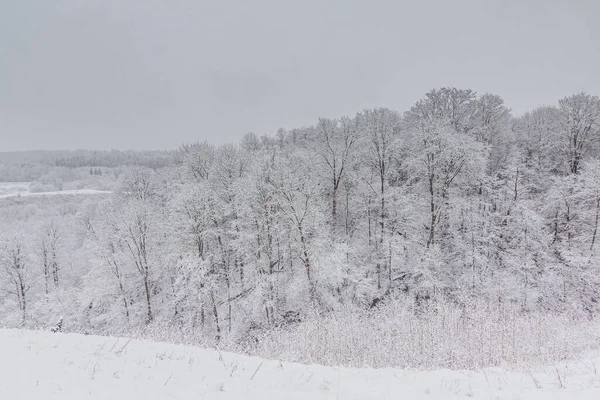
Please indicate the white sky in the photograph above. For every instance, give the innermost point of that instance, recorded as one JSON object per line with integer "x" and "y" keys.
{"x": 156, "y": 73}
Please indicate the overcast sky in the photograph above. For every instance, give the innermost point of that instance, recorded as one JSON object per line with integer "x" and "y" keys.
{"x": 156, "y": 73}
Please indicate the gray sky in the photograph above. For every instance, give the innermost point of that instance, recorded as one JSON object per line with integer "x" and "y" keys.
{"x": 156, "y": 73}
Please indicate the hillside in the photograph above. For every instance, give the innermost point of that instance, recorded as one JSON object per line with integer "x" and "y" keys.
{"x": 42, "y": 365}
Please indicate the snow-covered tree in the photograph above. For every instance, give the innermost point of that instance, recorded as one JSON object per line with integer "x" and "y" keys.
{"x": 14, "y": 258}
{"x": 580, "y": 127}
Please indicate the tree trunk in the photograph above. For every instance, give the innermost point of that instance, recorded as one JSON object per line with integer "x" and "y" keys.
{"x": 382, "y": 223}
{"x": 307, "y": 265}
{"x": 334, "y": 200}
{"x": 122, "y": 290}
{"x": 433, "y": 221}
{"x": 216, "y": 315}
{"x": 149, "y": 316}
{"x": 46, "y": 272}
{"x": 595, "y": 224}
{"x": 347, "y": 212}
{"x": 228, "y": 282}
{"x": 369, "y": 218}
{"x": 20, "y": 286}
{"x": 54, "y": 270}
{"x": 555, "y": 236}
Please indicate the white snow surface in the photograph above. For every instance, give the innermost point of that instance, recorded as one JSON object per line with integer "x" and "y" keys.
{"x": 55, "y": 193}
{"x": 44, "y": 365}
{"x": 8, "y": 188}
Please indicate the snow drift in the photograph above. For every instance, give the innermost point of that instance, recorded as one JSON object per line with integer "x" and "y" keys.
{"x": 43, "y": 365}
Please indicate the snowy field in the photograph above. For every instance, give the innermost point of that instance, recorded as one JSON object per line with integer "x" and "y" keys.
{"x": 43, "y": 365}
{"x": 56, "y": 193}
{"x": 15, "y": 189}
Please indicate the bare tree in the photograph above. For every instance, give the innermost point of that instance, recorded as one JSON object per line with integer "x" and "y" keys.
{"x": 197, "y": 158}
{"x": 538, "y": 138}
{"x": 580, "y": 125}
{"x": 441, "y": 156}
{"x": 110, "y": 248}
{"x": 334, "y": 145}
{"x": 450, "y": 104}
{"x": 490, "y": 118}
{"x": 265, "y": 216}
{"x": 136, "y": 234}
{"x": 13, "y": 257}
{"x": 251, "y": 142}
{"x": 49, "y": 247}
{"x": 297, "y": 196}
{"x": 381, "y": 127}
{"x": 140, "y": 184}
{"x": 138, "y": 226}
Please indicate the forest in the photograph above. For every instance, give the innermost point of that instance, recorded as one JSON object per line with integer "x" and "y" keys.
{"x": 453, "y": 234}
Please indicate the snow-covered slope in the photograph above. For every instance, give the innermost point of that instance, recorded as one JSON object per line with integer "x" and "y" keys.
{"x": 41, "y": 365}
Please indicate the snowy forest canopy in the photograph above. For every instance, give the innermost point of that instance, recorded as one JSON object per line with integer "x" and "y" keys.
{"x": 454, "y": 201}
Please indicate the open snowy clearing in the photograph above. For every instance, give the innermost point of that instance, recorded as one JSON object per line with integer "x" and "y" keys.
{"x": 14, "y": 187}
{"x": 43, "y": 365}
{"x": 55, "y": 193}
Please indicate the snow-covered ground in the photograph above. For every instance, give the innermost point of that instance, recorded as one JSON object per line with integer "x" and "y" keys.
{"x": 8, "y": 188}
{"x": 54, "y": 193}
{"x": 43, "y": 365}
